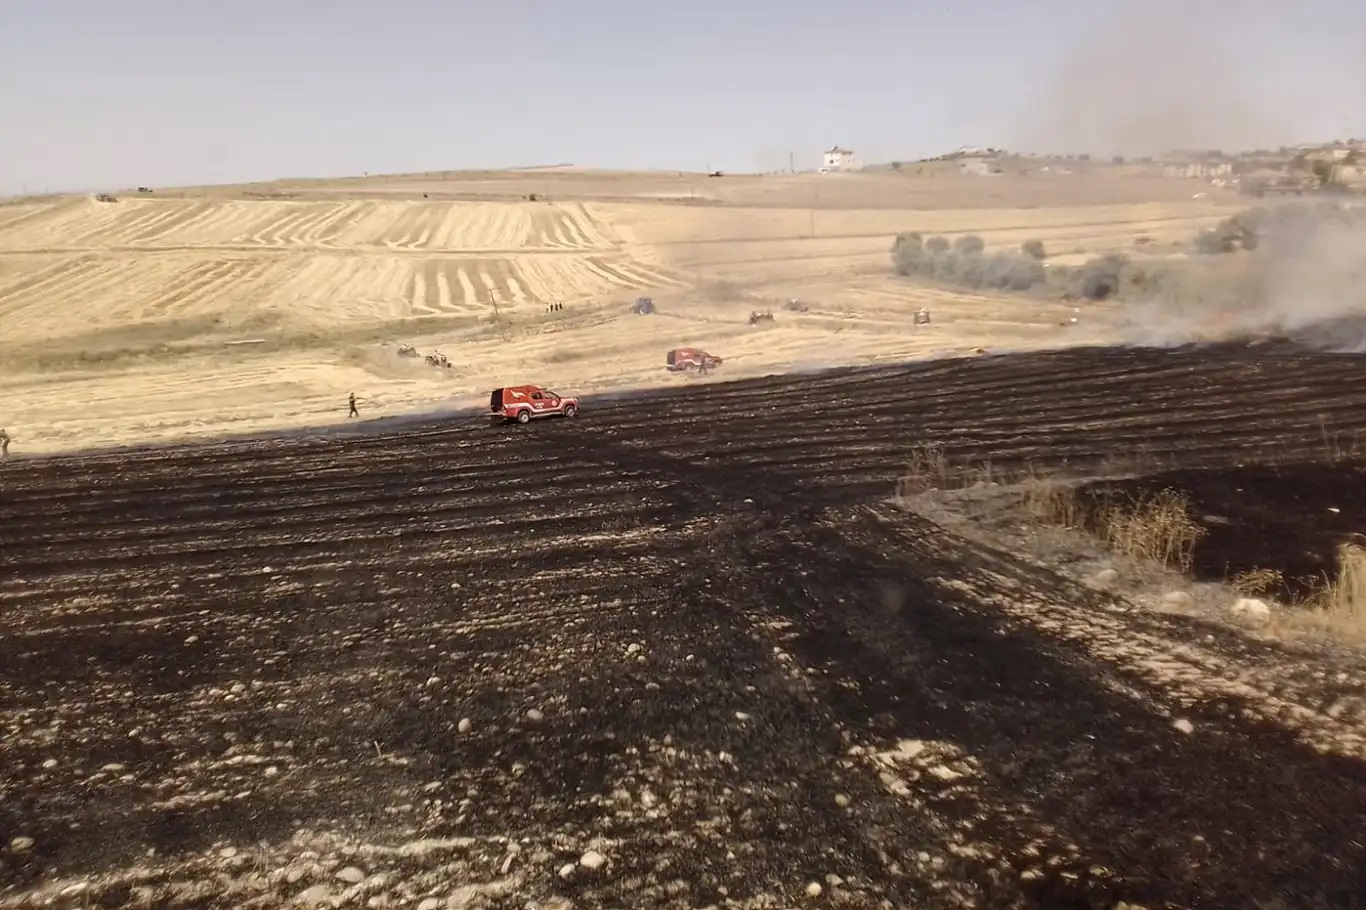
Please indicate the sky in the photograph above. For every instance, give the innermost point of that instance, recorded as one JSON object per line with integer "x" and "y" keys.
{"x": 105, "y": 95}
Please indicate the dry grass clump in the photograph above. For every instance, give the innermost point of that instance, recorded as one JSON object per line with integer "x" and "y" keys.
{"x": 926, "y": 469}
{"x": 1157, "y": 528}
{"x": 1340, "y": 606}
{"x": 1052, "y": 502}
{"x": 1257, "y": 582}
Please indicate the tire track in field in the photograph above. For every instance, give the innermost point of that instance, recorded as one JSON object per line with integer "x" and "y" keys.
{"x": 80, "y": 280}
{"x": 28, "y": 220}
{"x": 322, "y": 220}
{"x": 333, "y": 233}
{"x": 36, "y": 279}
{"x": 575, "y": 230}
{"x": 115, "y": 222}
{"x": 278, "y": 232}
{"x": 233, "y": 281}
{"x": 191, "y": 219}
{"x": 150, "y": 216}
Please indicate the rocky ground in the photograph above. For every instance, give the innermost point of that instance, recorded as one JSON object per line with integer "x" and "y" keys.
{"x": 677, "y": 652}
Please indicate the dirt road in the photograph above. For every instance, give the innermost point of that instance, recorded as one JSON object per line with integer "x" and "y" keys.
{"x": 674, "y": 653}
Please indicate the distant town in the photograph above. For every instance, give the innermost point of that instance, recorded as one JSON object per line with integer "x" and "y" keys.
{"x": 1335, "y": 167}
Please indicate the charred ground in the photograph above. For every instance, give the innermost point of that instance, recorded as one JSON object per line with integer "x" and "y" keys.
{"x": 687, "y": 634}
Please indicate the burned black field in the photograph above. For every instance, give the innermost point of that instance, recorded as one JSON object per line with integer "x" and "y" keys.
{"x": 678, "y": 652}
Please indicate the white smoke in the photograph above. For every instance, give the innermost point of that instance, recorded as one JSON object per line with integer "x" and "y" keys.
{"x": 1305, "y": 281}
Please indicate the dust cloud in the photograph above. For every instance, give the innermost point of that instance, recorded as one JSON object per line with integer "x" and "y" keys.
{"x": 1153, "y": 77}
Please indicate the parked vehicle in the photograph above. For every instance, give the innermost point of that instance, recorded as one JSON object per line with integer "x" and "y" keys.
{"x": 683, "y": 359}
{"x": 525, "y": 403}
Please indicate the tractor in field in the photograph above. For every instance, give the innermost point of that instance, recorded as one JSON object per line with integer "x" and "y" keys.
{"x": 797, "y": 305}
{"x": 643, "y": 306}
{"x": 439, "y": 360}
{"x": 755, "y": 317}
{"x": 683, "y": 360}
{"x": 407, "y": 350}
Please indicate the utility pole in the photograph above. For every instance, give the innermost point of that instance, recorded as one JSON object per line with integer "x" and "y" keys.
{"x": 498, "y": 315}
{"x": 791, "y": 163}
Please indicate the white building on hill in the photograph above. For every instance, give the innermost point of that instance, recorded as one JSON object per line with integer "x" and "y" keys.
{"x": 837, "y": 159}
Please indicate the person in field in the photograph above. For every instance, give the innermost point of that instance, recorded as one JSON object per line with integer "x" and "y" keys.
{"x": 352, "y": 402}
{"x": 4, "y": 444}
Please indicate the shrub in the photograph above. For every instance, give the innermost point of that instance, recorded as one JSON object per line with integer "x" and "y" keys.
{"x": 969, "y": 245}
{"x": 1100, "y": 278}
{"x": 965, "y": 263}
{"x": 1034, "y": 250}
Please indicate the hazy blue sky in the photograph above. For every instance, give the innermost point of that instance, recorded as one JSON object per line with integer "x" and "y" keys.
{"x": 99, "y": 93}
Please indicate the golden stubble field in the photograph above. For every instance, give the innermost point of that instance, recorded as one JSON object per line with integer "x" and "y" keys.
{"x": 197, "y": 311}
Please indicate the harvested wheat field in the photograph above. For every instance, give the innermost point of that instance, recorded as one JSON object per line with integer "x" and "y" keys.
{"x": 198, "y": 311}
{"x": 681, "y": 651}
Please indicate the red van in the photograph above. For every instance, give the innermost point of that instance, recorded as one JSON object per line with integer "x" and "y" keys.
{"x": 524, "y": 403}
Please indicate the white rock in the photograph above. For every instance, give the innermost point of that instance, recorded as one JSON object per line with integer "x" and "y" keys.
{"x": 317, "y": 894}
{"x": 351, "y": 875}
{"x": 1250, "y": 610}
{"x": 566, "y": 871}
{"x": 741, "y": 715}
{"x": 1181, "y": 600}
{"x": 592, "y": 860}
{"x": 431, "y": 903}
{"x": 21, "y": 844}
{"x": 465, "y": 725}
{"x": 1183, "y": 725}
{"x": 49, "y": 764}
{"x": 433, "y": 681}
{"x": 841, "y": 800}
{"x": 535, "y": 715}
{"x": 633, "y": 648}
{"x": 814, "y": 889}
{"x": 228, "y": 852}
{"x": 1105, "y": 577}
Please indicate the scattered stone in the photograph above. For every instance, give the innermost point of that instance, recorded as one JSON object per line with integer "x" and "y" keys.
{"x": 814, "y": 889}
{"x": 566, "y": 871}
{"x": 228, "y": 852}
{"x": 465, "y": 725}
{"x": 535, "y": 715}
{"x": 633, "y": 648}
{"x": 431, "y": 903}
{"x": 1184, "y": 725}
{"x": 592, "y": 860}
{"x": 841, "y": 800}
{"x": 1250, "y": 610}
{"x": 21, "y": 844}
{"x": 49, "y": 764}
{"x": 351, "y": 875}
{"x": 741, "y": 715}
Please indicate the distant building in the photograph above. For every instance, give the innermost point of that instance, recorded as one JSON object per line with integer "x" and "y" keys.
{"x": 1199, "y": 170}
{"x": 837, "y": 159}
